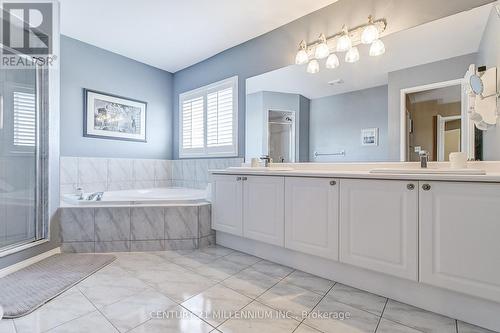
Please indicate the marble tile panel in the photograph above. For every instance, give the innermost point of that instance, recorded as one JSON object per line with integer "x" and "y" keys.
{"x": 359, "y": 299}
{"x": 181, "y": 222}
{"x": 69, "y": 170}
{"x": 147, "y": 223}
{"x": 175, "y": 320}
{"x": 143, "y": 169}
{"x": 76, "y": 224}
{"x": 216, "y": 304}
{"x": 78, "y": 247}
{"x": 92, "y": 322}
{"x": 92, "y": 170}
{"x": 120, "y": 170}
{"x": 418, "y": 319}
{"x": 112, "y": 224}
{"x": 136, "y": 309}
{"x": 163, "y": 170}
{"x": 331, "y": 316}
{"x": 59, "y": 311}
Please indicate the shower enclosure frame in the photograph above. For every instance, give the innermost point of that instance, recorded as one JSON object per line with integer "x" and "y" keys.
{"x": 41, "y": 160}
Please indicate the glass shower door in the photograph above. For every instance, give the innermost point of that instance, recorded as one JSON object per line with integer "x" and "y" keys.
{"x": 20, "y": 157}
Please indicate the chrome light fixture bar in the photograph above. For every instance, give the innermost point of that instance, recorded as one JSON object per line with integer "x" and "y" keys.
{"x": 343, "y": 41}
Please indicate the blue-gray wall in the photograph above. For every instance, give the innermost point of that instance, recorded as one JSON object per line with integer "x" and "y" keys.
{"x": 277, "y": 48}
{"x": 489, "y": 56}
{"x": 87, "y": 66}
{"x": 336, "y": 121}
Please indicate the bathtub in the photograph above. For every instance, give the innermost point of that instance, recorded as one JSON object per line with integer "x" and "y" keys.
{"x": 155, "y": 219}
{"x": 149, "y": 197}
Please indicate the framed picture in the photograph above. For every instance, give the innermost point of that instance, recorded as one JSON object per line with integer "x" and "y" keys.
{"x": 113, "y": 117}
{"x": 369, "y": 137}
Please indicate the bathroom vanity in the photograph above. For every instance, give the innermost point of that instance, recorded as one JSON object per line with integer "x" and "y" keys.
{"x": 399, "y": 235}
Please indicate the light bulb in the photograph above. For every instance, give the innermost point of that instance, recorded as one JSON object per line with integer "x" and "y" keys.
{"x": 322, "y": 50}
{"x": 332, "y": 61}
{"x": 370, "y": 32}
{"x": 344, "y": 43}
{"x": 377, "y": 48}
{"x": 313, "y": 66}
{"x": 302, "y": 57}
{"x": 352, "y": 55}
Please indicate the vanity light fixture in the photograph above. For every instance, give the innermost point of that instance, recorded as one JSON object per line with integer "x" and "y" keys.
{"x": 344, "y": 41}
{"x": 302, "y": 57}
{"x": 370, "y": 32}
{"x": 352, "y": 55}
{"x": 377, "y": 48}
{"x": 332, "y": 61}
{"x": 322, "y": 50}
{"x": 313, "y": 66}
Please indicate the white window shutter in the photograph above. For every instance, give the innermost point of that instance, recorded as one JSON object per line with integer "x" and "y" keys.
{"x": 209, "y": 120}
{"x": 24, "y": 119}
{"x": 193, "y": 123}
{"x": 220, "y": 118}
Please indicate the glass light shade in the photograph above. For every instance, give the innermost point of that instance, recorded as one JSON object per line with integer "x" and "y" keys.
{"x": 352, "y": 55}
{"x": 377, "y": 48}
{"x": 322, "y": 51}
{"x": 301, "y": 57}
{"x": 332, "y": 61}
{"x": 369, "y": 34}
{"x": 343, "y": 43}
{"x": 313, "y": 66}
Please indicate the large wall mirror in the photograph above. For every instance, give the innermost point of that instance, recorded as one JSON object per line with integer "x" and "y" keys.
{"x": 416, "y": 97}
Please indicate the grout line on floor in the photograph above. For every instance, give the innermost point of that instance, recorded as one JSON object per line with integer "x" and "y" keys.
{"x": 381, "y": 314}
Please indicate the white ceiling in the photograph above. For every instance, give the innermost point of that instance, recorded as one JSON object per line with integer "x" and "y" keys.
{"x": 437, "y": 40}
{"x": 174, "y": 34}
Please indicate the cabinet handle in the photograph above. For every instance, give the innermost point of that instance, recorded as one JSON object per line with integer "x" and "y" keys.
{"x": 244, "y": 178}
{"x": 426, "y": 187}
{"x": 410, "y": 187}
{"x": 238, "y": 178}
{"x": 333, "y": 182}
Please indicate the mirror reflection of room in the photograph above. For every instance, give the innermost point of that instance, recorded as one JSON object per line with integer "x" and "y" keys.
{"x": 427, "y": 92}
{"x": 434, "y": 123}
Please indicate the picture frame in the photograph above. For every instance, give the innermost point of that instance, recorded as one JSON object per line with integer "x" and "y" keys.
{"x": 113, "y": 117}
{"x": 369, "y": 136}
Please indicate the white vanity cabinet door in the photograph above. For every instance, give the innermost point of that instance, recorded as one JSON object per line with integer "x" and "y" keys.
{"x": 460, "y": 237}
{"x": 311, "y": 216}
{"x": 263, "y": 205}
{"x": 379, "y": 225}
{"x": 227, "y": 204}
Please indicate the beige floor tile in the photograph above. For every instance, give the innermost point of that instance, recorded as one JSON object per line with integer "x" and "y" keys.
{"x": 258, "y": 318}
{"x": 136, "y": 309}
{"x": 216, "y": 304}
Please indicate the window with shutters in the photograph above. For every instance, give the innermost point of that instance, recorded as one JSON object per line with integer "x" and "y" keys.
{"x": 24, "y": 119}
{"x": 208, "y": 120}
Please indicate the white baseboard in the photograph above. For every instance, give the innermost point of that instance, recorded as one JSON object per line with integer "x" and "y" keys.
{"x": 12, "y": 268}
{"x": 470, "y": 309}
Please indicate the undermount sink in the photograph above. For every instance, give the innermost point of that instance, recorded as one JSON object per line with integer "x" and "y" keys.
{"x": 273, "y": 168}
{"x": 440, "y": 171}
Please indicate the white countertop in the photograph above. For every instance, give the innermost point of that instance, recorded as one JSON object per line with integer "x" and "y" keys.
{"x": 362, "y": 170}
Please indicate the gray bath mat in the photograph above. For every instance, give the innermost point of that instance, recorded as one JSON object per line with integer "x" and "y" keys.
{"x": 29, "y": 288}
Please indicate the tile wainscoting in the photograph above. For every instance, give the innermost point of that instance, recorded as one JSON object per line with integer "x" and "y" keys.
{"x": 135, "y": 229}
{"x": 113, "y": 174}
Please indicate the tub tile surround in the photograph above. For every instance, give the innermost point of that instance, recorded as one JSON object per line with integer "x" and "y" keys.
{"x": 124, "y": 229}
{"x": 122, "y": 297}
{"x": 115, "y": 174}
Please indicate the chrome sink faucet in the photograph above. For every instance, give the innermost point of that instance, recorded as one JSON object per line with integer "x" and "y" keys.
{"x": 266, "y": 160}
{"x": 96, "y": 195}
{"x": 424, "y": 158}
